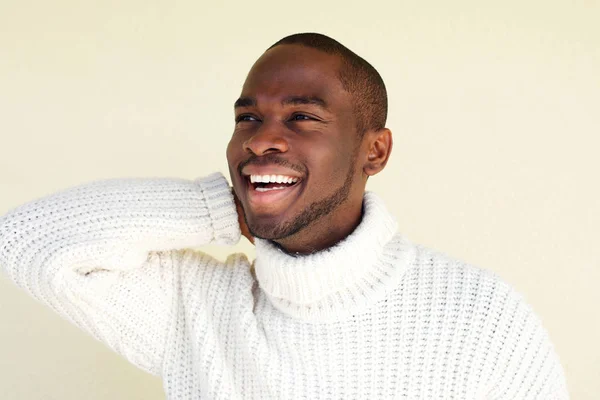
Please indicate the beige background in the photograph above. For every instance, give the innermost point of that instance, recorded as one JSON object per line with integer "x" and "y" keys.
{"x": 495, "y": 107}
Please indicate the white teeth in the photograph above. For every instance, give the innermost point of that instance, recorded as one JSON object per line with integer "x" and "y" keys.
{"x": 261, "y": 189}
{"x": 272, "y": 179}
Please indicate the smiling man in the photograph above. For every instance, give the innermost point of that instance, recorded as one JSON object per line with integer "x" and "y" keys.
{"x": 337, "y": 304}
{"x": 310, "y": 129}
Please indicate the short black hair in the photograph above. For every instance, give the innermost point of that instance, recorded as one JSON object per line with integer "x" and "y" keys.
{"x": 358, "y": 77}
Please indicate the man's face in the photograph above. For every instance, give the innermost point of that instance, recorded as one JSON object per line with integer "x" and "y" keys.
{"x": 293, "y": 152}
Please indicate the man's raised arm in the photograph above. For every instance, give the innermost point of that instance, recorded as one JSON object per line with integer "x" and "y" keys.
{"x": 100, "y": 254}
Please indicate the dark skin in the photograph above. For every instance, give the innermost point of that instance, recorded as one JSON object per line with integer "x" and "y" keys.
{"x": 295, "y": 118}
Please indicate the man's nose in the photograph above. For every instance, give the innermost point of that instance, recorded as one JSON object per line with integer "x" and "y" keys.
{"x": 268, "y": 138}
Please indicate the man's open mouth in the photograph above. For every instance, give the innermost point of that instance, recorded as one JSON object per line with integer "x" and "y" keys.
{"x": 272, "y": 192}
{"x": 266, "y": 183}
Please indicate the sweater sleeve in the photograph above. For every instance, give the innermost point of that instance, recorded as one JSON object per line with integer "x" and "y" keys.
{"x": 527, "y": 366}
{"x": 104, "y": 255}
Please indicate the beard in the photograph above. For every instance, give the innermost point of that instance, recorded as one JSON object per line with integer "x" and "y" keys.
{"x": 310, "y": 214}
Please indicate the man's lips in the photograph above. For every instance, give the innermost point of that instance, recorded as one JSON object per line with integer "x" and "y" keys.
{"x": 256, "y": 170}
{"x": 267, "y": 188}
{"x": 270, "y": 185}
{"x": 272, "y": 198}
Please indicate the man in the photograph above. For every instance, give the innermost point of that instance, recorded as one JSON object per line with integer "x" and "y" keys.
{"x": 337, "y": 304}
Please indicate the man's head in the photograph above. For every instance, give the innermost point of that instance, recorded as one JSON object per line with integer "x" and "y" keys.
{"x": 309, "y": 131}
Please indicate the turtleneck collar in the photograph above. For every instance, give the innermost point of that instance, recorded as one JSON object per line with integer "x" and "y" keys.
{"x": 342, "y": 279}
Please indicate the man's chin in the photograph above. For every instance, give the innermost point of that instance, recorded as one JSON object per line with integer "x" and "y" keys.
{"x": 269, "y": 228}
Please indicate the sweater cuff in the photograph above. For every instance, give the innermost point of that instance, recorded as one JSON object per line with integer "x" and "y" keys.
{"x": 221, "y": 207}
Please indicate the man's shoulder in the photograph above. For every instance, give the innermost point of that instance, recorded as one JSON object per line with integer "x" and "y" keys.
{"x": 448, "y": 289}
{"x": 482, "y": 312}
{"x": 446, "y": 277}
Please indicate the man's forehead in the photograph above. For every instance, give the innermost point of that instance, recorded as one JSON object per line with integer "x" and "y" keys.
{"x": 293, "y": 63}
{"x": 295, "y": 54}
{"x": 293, "y": 72}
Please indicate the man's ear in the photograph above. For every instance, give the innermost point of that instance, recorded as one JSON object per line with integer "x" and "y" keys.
{"x": 380, "y": 147}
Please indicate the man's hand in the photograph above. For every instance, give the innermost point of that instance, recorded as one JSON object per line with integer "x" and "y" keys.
{"x": 241, "y": 219}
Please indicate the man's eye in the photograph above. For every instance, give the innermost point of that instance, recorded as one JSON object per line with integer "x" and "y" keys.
{"x": 301, "y": 117}
{"x": 245, "y": 118}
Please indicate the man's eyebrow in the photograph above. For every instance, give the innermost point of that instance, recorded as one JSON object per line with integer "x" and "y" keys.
{"x": 305, "y": 100}
{"x": 245, "y": 102}
{"x": 291, "y": 100}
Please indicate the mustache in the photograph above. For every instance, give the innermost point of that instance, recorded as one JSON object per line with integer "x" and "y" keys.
{"x": 270, "y": 159}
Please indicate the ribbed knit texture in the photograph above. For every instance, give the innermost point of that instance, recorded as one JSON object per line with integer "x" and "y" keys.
{"x": 374, "y": 317}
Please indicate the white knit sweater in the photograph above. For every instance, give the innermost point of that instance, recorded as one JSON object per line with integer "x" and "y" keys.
{"x": 374, "y": 317}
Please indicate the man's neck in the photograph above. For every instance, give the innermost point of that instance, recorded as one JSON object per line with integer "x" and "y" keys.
{"x": 324, "y": 233}
{"x": 341, "y": 279}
